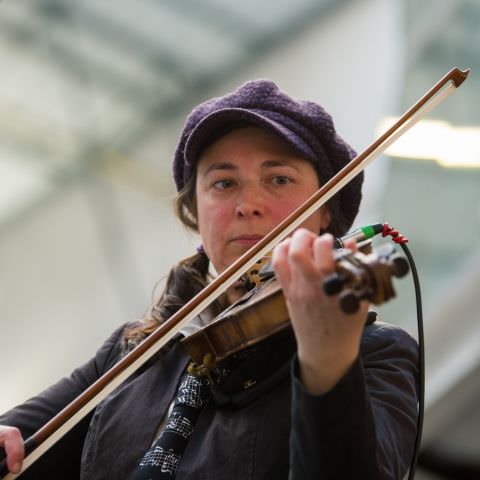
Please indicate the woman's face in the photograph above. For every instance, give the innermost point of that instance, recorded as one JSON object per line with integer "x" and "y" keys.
{"x": 247, "y": 182}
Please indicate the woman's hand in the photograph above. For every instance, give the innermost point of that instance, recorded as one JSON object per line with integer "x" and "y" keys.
{"x": 328, "y": 339}
{"x": 11, "y": 440}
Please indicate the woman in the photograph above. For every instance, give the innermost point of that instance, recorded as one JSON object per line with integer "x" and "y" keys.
{"x": 346, "y": 408}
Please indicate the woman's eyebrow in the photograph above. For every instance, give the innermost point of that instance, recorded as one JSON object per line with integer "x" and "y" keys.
{"x": 220, "y": 166}
{"x": 279, "y": 163}
{"x": 266, "y": 164}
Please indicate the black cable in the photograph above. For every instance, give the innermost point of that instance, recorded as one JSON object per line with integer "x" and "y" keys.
{"x": 366, "y": 233}
{"x": 421, "y": 362}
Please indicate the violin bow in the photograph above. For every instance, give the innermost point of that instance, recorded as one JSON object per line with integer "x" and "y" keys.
{"x": 66, "y": 419}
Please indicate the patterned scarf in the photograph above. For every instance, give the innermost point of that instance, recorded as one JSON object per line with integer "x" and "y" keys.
{"x": 163, "y": 459}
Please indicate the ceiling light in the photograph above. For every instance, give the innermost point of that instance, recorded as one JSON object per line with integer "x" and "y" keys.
{"x": 449, "y": 146}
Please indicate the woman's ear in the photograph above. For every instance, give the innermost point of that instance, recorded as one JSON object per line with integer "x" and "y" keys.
{"x": 326, "y": 218}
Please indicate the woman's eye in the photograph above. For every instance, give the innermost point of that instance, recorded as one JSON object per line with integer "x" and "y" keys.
{"x": 281, "y": 180}
{"x": 223, "y": 184}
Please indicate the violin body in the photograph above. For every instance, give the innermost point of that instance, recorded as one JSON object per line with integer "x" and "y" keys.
{"x": 262, "y": 311}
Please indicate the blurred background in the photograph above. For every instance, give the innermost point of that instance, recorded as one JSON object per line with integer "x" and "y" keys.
{"x": 92, "y": 99}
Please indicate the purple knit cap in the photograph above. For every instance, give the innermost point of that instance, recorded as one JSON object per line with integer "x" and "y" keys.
{"x": 304, "y": 125}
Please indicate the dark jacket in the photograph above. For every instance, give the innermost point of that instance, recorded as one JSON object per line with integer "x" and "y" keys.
{"x": 364, "y": 428}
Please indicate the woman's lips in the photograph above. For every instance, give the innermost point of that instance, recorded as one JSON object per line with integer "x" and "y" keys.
{"x": 247, "y": 240}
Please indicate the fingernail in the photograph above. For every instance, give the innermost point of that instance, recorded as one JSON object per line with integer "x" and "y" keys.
{"x": 16, "y": 467}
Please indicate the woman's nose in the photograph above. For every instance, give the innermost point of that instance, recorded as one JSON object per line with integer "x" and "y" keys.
{"x": 250, "y": 202}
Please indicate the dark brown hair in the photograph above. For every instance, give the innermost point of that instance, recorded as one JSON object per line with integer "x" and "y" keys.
{"x": 184, "y": 280}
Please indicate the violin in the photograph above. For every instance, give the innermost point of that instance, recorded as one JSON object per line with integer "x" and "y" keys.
{"x": 348, "y": 271}
{"x": 262, "y": 312}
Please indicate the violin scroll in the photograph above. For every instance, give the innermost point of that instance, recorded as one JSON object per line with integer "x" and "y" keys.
{"x": 365, "y": 276}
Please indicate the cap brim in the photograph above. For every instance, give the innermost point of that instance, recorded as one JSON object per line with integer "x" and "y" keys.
{"x": 207, "y": 127}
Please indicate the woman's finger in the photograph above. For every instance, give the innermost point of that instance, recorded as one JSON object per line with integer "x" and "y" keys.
{"x": 12, "y": 442}
{"x": 280, "y": 262}
{"x": 323, "y": 254}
